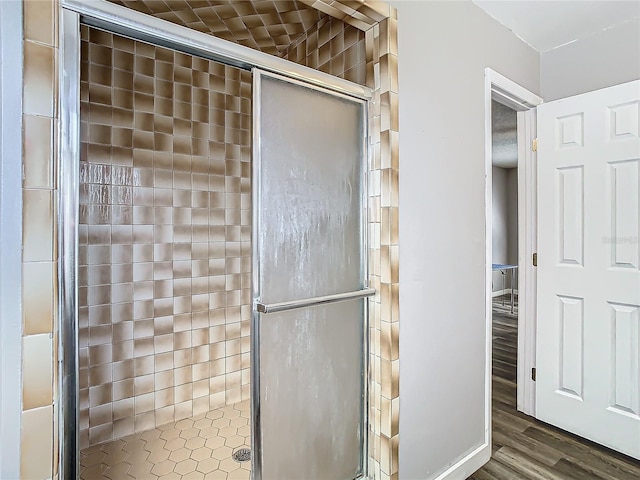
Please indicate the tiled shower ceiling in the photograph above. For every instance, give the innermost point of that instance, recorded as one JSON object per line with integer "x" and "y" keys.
{"x": 266, "y": 25}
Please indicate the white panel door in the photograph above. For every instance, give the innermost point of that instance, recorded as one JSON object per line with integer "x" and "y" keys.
{"x": 588, "y": 339}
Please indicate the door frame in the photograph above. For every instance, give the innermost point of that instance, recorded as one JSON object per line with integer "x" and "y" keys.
{"x": 512, "y": 95}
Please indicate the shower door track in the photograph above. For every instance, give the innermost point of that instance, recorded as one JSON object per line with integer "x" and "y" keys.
{"x": 140, "y": 26}
{"x": 126, "y": 22}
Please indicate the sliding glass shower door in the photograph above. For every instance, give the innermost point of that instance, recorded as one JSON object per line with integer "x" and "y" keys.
{"x": 309, "y": 282}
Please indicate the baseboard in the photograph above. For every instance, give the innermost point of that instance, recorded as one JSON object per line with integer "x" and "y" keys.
{"x": 467, "y": 465}
{"x": 506, "y": 291}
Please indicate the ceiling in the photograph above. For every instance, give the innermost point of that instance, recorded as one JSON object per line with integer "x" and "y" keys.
{"x": 266, "y": 25}
{"x": 546, "y": 25}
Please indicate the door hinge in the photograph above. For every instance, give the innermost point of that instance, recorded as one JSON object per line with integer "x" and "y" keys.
{"x": 533, "y": 374}
{"x": 534, "y": 145}
{"x": 535, "y": 260}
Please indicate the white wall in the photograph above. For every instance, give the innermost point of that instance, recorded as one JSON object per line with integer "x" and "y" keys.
{"x": 10, "y": 236}
{"x": 602, "y": 60}
{"x": 505, "y": 215}
{"x": 499, "y": 220}
{"x": 443, "y": 50}
{"x": 504, "y": 221}
{"x": 512, "y": 215}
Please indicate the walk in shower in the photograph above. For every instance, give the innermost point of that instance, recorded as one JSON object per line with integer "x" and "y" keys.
{"x": 164, "y": 259}
{"x": 215, "y": 214}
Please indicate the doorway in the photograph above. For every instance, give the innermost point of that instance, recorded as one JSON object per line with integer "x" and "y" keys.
{"x": 510, "y": 100}
{"x": 536, "y": 401}
{"x": 504, "y": 133}
{"x": 523, "y": 446}
{"x": 168, "y": 332}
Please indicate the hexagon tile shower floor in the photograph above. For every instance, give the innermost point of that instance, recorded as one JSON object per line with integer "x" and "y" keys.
{"x": 197, "y": 448}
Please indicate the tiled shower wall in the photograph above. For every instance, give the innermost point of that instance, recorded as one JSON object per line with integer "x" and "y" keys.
{"x": 384, "y": 319}
{"x": 333, "y": 47}
{"x": 38, "y": 442}
{"x": 165, "y": 253}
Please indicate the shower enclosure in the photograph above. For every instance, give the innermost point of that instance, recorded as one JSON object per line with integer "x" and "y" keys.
{"x": 161, "y": 273}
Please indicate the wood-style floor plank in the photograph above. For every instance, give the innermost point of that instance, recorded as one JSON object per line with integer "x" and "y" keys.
{"x": 527, "y": 449}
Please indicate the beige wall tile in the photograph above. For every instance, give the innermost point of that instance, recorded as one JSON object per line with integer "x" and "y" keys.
{"x": 395, "y": 423}
{"x": 385, "y": 417}
{"x": 395, "y": 379}
{"x": 394, "y": 263}
{"x": 395, "y": 328}
{"x": 36, "y": 444}
{"x": 385, "y": 454}
{"x": 39, "y": 21}
{"x": 37, "y": 373}
{"x": 39, "y": 79}
{"x": 385, "y": 340}
{"x": 38, "y": 282}
{"x": 395, "y": 442}
{"x": 38, "y": 153}
{"x": 37, "y": 239}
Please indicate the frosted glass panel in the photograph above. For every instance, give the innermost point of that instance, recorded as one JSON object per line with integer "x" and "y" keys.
{"x": 310, "y": 184}
{"x": 311, "y": 392}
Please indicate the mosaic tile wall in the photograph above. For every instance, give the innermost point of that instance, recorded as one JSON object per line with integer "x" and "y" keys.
{"x": 165, "y": 252}
{"x": 269, "y": 26}
{"x": 38, "y": 442}
{"x": 382, "y": 76}
{"x": 333, "y": 47}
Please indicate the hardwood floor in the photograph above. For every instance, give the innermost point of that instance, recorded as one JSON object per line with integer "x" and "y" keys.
{"x": 524, "y": 448}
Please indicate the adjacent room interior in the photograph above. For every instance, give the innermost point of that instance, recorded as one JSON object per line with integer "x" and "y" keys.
{"x": 505, "y": 206}
{"x": 505, "y": 241}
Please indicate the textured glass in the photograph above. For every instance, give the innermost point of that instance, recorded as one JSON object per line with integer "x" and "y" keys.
{"x": 310, "y": 184}
{"x": 311, "y": 392}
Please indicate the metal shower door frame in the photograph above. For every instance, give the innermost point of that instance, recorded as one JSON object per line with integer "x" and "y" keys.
{"x": 123, "y": 21}
{"x": 258, "y": 307}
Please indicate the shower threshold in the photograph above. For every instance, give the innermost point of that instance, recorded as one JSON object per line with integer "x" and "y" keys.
{"x": 199, "y": 447}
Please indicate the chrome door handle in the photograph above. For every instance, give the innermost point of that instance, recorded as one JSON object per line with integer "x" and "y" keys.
{"x": 308, "y": 302}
